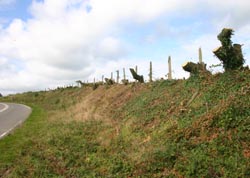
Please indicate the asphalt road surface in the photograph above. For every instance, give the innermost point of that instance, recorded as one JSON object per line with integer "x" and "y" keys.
{"x": 12, "y": 115}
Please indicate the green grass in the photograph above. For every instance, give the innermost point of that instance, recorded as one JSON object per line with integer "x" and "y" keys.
{"x": 153, "y": 133}
{"x": 13, "y": 145}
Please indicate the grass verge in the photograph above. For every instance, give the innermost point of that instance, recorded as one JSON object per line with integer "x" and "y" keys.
{"x": 181, "y": 128}
{"x": 13, "y": 145}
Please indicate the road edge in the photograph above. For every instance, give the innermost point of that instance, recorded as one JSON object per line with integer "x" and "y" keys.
{"x": 17, "y": 124}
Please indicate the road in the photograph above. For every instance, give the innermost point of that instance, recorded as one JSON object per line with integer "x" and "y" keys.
{"x": 12, "y": 115}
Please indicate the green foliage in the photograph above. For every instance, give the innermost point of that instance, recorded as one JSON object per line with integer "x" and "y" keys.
{"x": 165, "y": 158}
{"x": 155, "y": 133}
{"x": 234, "y": 117}
{"x": 230, "y": 54}
{"x": 225, "y": 37}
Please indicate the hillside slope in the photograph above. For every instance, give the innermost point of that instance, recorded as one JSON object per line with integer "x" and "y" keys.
{"x": 181, "y": 128}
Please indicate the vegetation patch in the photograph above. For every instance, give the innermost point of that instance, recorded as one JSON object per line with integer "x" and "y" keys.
{"x": 168, "y": 128}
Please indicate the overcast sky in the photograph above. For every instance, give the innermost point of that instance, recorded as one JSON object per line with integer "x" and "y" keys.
{"x": 49, "y": 43}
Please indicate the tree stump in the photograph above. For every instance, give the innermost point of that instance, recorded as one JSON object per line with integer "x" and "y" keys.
{"x": 220, "y": 53}
{"x": 109, "y": 81}
{"x": 194, "y": 68}
{"x": 125, "y": 81}
{"x": 136, "y": 76}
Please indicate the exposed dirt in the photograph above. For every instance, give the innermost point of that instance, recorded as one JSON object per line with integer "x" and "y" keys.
{"x": 101, "y": 103}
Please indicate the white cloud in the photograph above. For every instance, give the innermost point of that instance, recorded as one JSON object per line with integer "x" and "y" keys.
{"x": 110, "y": 48}
{"x": 66, "y": 40}
{"x": 230, "y": 13}
{"x": 63, "y": 39}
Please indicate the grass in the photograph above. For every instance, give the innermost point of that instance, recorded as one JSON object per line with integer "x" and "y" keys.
{"x": 13, "y": 146}
{"x": 181, "y": 128}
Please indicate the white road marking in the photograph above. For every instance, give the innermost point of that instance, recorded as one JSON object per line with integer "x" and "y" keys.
{"x": 5, "y": 107}
{"x": 8, "y": 131}
{"x": 5, "y": 133}
{"x": 27, "y": 107}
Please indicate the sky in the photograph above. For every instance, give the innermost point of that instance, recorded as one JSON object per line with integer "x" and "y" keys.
{"x": 49, "y": 43}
